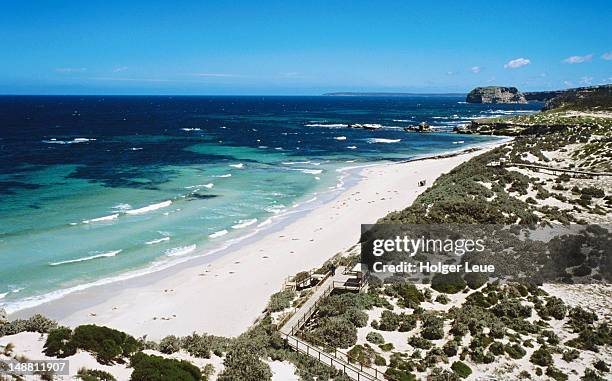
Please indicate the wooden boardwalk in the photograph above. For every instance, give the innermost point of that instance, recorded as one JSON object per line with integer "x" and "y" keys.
{"x": 339, "y": 360}
{"x": 561, "y": 170}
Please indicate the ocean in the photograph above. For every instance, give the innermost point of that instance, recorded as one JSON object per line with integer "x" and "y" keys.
{"x": 96, "y": 189}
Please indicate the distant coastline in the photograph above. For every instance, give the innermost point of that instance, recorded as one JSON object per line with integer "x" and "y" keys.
{"x": 376, "y": 94}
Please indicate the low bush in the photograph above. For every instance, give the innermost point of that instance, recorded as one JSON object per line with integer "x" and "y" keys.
{"x": 433, "y": 327}
{"x": 59, "y": 343}
{"x": 156, "y": 368}
{"x": 281, "y": 300}
{"x": 108, "y": 345}
{"x": 375, "y": 338}
{"x": 170, "y": 344}
{"x": 362, "y": 354}
{"x": 570, "y": 355}
{"x": 450, "y": 283}
{"x": 461, "y": 369}
{"x": 94, "y": 375}
{"x": 541, "y": 357}
{"x": 442, "y": 299}
{"x": 515, "y": 351}
{"x": 556, "y": 374}
{"x": 242, "y": 363}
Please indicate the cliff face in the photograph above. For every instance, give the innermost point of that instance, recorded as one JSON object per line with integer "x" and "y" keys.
{"x": 495, "y": 94}
{"x": 583, "y": 98}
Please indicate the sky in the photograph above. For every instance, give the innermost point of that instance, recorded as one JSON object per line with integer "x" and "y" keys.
{"x": 290, "y": 47}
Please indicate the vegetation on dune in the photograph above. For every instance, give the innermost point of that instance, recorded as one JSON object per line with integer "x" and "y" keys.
{"x": 106, "y": 344}
{"x": 94, "y": 375}
{"x": 157, "y": 368}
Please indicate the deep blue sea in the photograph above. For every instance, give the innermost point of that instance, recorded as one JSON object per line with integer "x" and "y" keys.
{"x": 95, "y": 189}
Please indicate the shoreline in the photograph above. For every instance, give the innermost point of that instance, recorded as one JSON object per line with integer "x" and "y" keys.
{"x": 216, "y": 283}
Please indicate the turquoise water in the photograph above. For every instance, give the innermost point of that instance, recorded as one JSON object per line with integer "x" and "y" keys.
{"x": 99, "y": 189}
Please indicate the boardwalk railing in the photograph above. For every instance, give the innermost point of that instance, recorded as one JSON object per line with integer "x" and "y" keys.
{"x": 554, "y": 170}
{"x": 311, "y": 310}
{"x": 338, "y": 360}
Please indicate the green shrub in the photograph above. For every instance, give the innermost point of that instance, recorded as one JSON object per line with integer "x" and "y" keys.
{"x": 59, "y": 343}
{"x": 94, "y": 375}
{"x": 156, "y": 368}
{"x": 170, "y": 344}
{"x": 593, "y": 192}
{"x": 408, "y": 294}
{"x": 40, "y": 324}
{"x": 361, "y": 354}
{"x": 570, "y": 355}
{"x": 450, "y": 283}
{"x": 433, "y": 327}
{"x": 591, "y": 375}
{"x": 375, "y": 338}
{"x": 515, "y": 351}
{"x": 542, "y": 357}
{"x": 420, "y": 342}
{"x": 336, "y": 332}
{"x": 281, "y": 300}
{"x": 442, "y": 299}
{"x": 399, "y": 375}
{"x": 242, "y": 363}
{"x": 601, "y": 366}
{"x": 386, "y": 347}
{"x": 497, "y": 348}
{"x": 450, "y": 348}
{"x": 439, "y": 374}
{"x": 380, "y": 361}
{"x": 556, "y": 374}
{"x": 461, "y": 369}
{"x": 107, "y": 344}
{"x": 389, "y": 321}
{"x": 196, "y": 345}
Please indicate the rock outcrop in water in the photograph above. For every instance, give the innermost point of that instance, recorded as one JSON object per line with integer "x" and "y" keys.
{"x": 495, "y": 94}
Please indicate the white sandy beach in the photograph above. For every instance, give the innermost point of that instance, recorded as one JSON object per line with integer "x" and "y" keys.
{"x": 226, "y": 296}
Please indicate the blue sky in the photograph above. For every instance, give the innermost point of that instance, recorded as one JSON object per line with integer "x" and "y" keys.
{"x": 301, "y": 47}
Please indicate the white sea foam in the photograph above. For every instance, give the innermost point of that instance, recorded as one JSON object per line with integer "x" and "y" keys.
{"x": 401, "y": 120}
{"x": 101, "y": 219}
{"x": 220, "y": 233}
{"x": 244, "y": 223}
{"x": 208, "y": 186}
{"x": 226, "y": 175}
{"x": 135, "y": 148}
{"x": 382, "y": 140}
{"x": 239, "y": 165}
{"x": 3, "y": 295}
{"x": 266, "y": 222}
{"x": 312, "y": 171}
{"x": 122, "y": 207}
{"x": 295, "y": 162}
{"x": 276, "y": 209}
{"x": 307, "y": 171}
{"x": 191, "y": 129}
{"x": 159, "y": 240}
{"x": 180, "y": 251}
{"x": 89, "y": 258}
{"x": 150, "y": 208}
{"x": 340, "y": 137}
{"x": 351, "y": 147}
{"x": 459, "y": 142}
{"x": 73, "y": 141}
